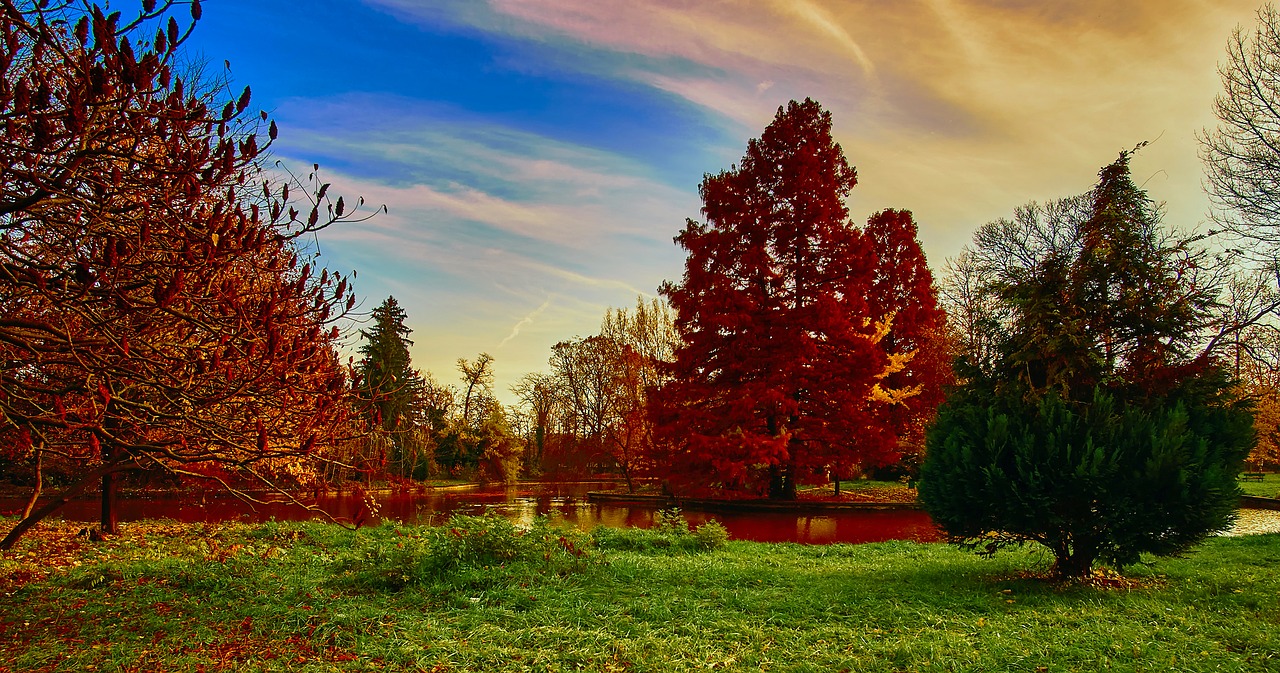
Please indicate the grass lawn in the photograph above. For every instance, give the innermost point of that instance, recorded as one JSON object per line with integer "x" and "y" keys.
{"x": 1269, "y": 487}
{"x": 314, "y": 597}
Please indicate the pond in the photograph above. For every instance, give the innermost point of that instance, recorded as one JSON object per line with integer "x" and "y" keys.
{"x": 522, "y": 503}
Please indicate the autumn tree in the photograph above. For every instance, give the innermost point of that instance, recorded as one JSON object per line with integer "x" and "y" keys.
{"x": 536, "y": 392}
{"x": 1101, "y": 429}
{"x": 585, "y": 380}
{"x": 903, "y": 290}
{"x": 390, "y": 389}
{"x": 156, "y": 308}
{"x": 779, "y": 372}
{"x": 644, "y": 342}
{"x": 479, "y": 435}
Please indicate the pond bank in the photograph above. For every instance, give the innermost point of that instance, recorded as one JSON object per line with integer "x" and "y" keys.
{"x": 754, "y": 505}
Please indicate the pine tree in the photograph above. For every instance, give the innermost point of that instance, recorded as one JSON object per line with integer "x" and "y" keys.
{"x": 1097, "y": 432}
{"x": 777, "y": 376}
{"x": 388, "y": 384}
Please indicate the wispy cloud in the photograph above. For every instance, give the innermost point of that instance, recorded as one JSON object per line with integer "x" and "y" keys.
{"x": 525, "y": 322}
{"x": 486, "y": 222}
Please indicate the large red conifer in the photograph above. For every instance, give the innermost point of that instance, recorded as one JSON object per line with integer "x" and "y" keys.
{"x": 777, "y": 376}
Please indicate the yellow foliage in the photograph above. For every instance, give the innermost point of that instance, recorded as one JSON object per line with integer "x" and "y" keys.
{"x": 1266, "y": 422}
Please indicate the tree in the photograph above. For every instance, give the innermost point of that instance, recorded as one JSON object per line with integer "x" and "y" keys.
{"x": 778, "y": 376}
{"x": 644, "y": 344}
{"x": 473, "y": 427}
{"x": 1100, "y": 430}
{"x": 156, "y": 311}
{"x": 389, "y": 386}
{"x": 592, "y": 405}
{"x": 538, "y": 400}
{"x": 1242, "y": 155}
{"x": 903, "y": 289}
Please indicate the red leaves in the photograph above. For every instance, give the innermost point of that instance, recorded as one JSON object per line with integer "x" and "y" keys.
{"x": 772, "y": 383}
{"x": 142, "y": 252}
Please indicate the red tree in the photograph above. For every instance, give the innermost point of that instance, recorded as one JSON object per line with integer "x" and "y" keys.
{"x": 778, "y": 375}
{"x": 155, "y": 312}
{"x": 903, "y": 288}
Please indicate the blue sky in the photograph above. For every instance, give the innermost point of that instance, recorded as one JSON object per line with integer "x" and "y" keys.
{"x": 538, "y": 156}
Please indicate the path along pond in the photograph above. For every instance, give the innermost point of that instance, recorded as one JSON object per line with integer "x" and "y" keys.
{"x": 521, "y": 503}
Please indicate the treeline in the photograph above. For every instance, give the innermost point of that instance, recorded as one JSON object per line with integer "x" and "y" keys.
{"x": 585, "y": 416}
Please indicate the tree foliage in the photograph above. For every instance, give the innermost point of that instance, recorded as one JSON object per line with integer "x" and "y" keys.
{"x": 156, "y": 310}
{"x": 903, "y": 289}
{"x": 1098, "y": 428}
{"x": 780, "y": 372}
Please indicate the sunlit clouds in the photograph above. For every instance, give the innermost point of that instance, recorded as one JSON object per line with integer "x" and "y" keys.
{"x": 537, "y": 156}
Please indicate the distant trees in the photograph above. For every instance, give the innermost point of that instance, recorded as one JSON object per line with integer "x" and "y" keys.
{"x": 156, "y": 311}
{"x": 782, "y": 372}
{"x": 590, "y": 409}
{"x": 1097, "y": 427}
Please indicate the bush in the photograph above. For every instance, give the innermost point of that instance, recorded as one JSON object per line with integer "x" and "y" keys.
{"x": 670, "y": 532}
{"x": 393, "y": 557}
{"x": 1097, "y": 481}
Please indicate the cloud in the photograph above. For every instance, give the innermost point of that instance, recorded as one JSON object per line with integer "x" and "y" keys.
{"x": 496, "y": 238}
{"x": 525, "y": 322}
{"x": 957, "y": 109}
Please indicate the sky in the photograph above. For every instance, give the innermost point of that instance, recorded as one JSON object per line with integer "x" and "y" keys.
{"x": 537, "y": 157}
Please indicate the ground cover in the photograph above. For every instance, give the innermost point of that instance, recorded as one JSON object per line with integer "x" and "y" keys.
{"x": 474, "y": 596}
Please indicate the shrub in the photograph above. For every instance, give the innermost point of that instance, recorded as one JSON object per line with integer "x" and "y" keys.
{"x": 670, "y": 532}
{"x": 1091, "y": 419}
{"x": 393, "y": 557}
{"x": 1097, "y": 481}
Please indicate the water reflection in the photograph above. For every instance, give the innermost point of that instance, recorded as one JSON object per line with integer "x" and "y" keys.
{"x": 522, "y": 503}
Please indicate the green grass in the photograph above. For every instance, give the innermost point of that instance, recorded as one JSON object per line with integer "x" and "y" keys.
{"x": 1269, "y": 487}
{"x": 314, "y": 597}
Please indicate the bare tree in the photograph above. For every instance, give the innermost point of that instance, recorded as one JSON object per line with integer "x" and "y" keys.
{"x": 1242, "y": 155}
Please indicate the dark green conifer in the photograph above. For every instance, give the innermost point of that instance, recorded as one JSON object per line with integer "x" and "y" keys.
{"x": 1099, "y": 432}
{"x": 388, "y": 384}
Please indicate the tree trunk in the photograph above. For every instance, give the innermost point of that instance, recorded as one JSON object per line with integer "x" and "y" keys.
{"x": 110, "y": 487}
{"x": 39, "y": 483}
{"x": 782, "y": 482}
{"x": 58, "y": 502}
{"x": 1073, "y": 563}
